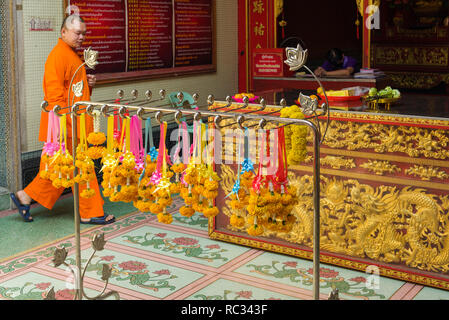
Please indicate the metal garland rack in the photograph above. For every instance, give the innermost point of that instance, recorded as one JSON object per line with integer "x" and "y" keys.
{"x": 296, "y": 60}
{"x": 158, "y": 112}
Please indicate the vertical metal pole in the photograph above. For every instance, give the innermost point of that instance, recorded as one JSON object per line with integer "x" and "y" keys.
{"x": 75, "y": 190}
{"x": 316, "y": 215}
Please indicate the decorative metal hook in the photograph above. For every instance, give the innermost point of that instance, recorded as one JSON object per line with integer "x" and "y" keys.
{"x": 122, "y": 112}
{"x": 178, "y": 116}
{"x": 89, "y": 110}
{"x": 282, "y": 103}
{"x": 44, "y": 106}
{"x": 229, "y": 103}
{"x": 140, "y": 113}
{"x": 195, "y": 97}
{"x": 56, "y": 110}
{"x": 158, "y": 117}
{"x": 240, "y": 120}
{"x": 148, "y": 95}
{"x": 217, "y": 120}
{"x": 197, "y": 116}
{"x": 180, "y": 97}
{"x": 104, "y": 110}
{"x": 134, "y": 94}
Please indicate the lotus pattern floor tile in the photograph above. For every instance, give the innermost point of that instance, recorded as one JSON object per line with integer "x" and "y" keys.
{"x": 223, "y": 289}
{"x": 427, "y": 293}
{"x": 197, "y": 221}
{"x": 34, "y": 286}
{"x": 299, "y": 273}
{"x": 180, "y": 245}
{"x": 146, "y": 276}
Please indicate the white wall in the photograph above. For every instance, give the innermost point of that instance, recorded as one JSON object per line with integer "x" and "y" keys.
{"x": 38, "y": 44}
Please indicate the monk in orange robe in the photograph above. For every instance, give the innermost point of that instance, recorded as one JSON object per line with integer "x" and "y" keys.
{"x": 60, "y": 68}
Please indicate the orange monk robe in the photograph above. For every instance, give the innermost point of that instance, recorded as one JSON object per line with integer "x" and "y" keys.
{"x": 61, "y": 65}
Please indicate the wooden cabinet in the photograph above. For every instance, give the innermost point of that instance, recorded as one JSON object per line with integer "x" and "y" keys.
{"x": 412, "y": 43}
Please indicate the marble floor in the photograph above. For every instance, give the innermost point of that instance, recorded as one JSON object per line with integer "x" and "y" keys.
{"x": 153, "y": 261}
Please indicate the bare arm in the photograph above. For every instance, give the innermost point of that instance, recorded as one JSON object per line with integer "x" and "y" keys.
{"x": 342, "y": 72}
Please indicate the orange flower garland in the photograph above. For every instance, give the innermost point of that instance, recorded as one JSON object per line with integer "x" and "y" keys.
{"x": 96, "y": 139}
{"x": 62, "y": 161}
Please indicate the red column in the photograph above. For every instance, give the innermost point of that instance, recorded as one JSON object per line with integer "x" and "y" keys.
{"x": 366, "y": 36}
{"x": 256, "y": 29}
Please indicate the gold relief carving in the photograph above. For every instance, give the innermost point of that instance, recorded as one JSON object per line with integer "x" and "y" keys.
{"x": 396, "y": 31}
{"x": 380, "y": 167}
{"x": 360, "y": 5}
{"x": 427, "y": 172}
{"x": 417, "y": 80}
{"x": 278, "y": 7}
{"x": 337, "y": 162}
{"x": 408, "y": 226}
{"x": 382, "y": 138}
{"x": 444, "y": 124}
{"x": 422, "y": 56}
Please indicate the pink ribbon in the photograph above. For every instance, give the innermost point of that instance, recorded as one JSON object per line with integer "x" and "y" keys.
{"x": 136, "y": 142}
{"x": 52, "y": 145}
{"x": 185, "y": 144}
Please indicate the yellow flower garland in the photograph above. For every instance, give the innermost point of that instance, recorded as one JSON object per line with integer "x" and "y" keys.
{"x": 295, "y": 136}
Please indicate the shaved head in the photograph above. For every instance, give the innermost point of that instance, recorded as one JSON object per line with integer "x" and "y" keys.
{"x": 70, "y": 20}
{"x": 73, "y": 31}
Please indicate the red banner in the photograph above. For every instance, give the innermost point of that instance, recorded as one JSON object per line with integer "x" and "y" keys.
{"x": 193, "y": 32}
{"x": 138, "y": 35}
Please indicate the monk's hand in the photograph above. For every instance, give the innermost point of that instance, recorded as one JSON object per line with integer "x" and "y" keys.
{"x": 91, "y": 80}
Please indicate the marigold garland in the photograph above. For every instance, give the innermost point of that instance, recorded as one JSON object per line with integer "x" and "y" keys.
{"x": 96, "y": 139}
{"x": 295, "y": 136}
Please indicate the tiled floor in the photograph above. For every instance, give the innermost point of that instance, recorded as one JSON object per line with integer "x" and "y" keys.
{"x": 153, "y": 261}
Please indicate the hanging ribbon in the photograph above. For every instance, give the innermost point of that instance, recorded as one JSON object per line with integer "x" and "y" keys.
{"x": 52, "y": 145}
{"x": 247, "y": 164}
{"x": 157, "y": 174}
{"x": 236, "y": 187}
{"x": 110, "y": 133}
{"x": 117, "y": 124}
{"x": 136, "y": 143}
{"x": 149, "y": 141}
{"x": 262, "y": 176}
{"x": 176, "y": 156}
{"x": 109, "y": 160}
{"x": 186, "y": 154}
{"x": 282, "y": 172}
{"x": 160, "y": 178}
{"x": 63, "y": 133}
{"x": 83, "y": 136}
{"x": 125, "y": 139}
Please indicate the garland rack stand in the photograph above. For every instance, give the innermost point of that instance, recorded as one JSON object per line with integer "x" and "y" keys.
{"x": 158, "y": 108}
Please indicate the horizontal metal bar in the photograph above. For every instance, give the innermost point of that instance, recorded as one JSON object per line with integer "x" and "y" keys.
{"x": 203, "y": 113}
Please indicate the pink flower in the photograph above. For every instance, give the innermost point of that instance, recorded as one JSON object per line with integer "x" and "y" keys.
{"x": 245, "y": 294}
{"x": 358, "y": 279}
{"x": 132, "y": 265}
{"x": 185, "y": 241}
{"x": 161, "y": 235}
{"x": 107, "y": 258}
{"x": 66, "y": 294}
{"x": 162, "y": 272}
{"x": 43, "y": 285}
{"x": 325, "y": 273}
{"x": 213, "y": 246}
{"x": 292, "y": 264}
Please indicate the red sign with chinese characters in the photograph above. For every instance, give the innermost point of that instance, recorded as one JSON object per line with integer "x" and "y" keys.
{"x": 270, "y": 63}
